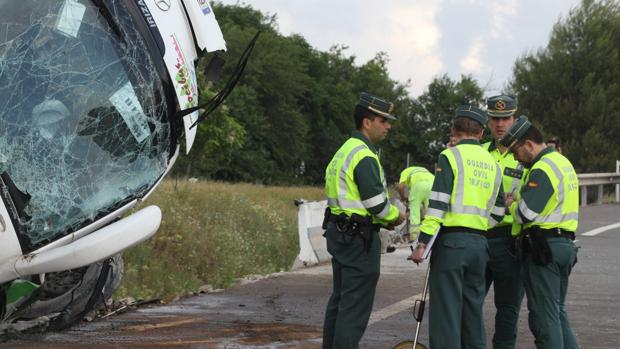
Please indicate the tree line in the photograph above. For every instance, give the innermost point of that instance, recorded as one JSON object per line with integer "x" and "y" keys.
{"x": 293, "y": 107}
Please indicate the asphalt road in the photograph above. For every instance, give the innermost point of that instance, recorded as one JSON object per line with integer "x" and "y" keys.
{"x": 286, "y": 310}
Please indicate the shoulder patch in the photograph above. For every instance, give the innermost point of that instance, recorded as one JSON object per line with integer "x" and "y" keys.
{"x": 513, "y": 172}
{"x": 532, "y": 184}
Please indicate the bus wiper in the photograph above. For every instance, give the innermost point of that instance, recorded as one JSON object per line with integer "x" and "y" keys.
{"x": 214, "y": 102}
{"x": 107, "y": 15}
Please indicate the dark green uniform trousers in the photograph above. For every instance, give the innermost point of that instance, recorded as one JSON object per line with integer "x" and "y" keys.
{"x": 356, "y": 273}
{"x": 457, "y": 290}
{"x": 545, "y": 287}
{"x": 503, "y": 271}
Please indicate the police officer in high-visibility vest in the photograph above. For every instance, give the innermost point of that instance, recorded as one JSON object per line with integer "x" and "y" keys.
{"x": 502, "y": 266}
{"x": 418, "y": 182}
{"x": 466, "y": 200}
{"x": 403, "y": 186}
{"x": 547, "y": 206}
{"x": 358, "y": 205}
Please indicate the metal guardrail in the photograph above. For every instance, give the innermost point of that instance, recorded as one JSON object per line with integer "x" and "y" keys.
{"x": 599, "y": 180}
{"x": 589, "y": 179}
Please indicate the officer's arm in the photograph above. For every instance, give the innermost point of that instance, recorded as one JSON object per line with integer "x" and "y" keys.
{"x": 374, "y": 197}
{"x": 439, "y": 201}
{"x": 534, "y": 197}
{"x": 498, "y": 210}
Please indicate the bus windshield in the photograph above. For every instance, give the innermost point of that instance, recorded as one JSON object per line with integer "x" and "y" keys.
{"x": 83, "y": 117}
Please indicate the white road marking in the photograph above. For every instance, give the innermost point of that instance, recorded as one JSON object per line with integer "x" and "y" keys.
{"x": 407, "y": 304}
{"x": 597, "y": 231}
{"x": 382, "y": 314}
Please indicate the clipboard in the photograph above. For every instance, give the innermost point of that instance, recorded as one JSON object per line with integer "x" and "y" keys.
{"x": 429, "y": 245}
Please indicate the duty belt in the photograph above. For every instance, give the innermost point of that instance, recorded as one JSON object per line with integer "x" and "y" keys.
{"x": 534, "y": 242}
{"x": 557, "y": 233}
{"x": 354, "y": 225}
{"x": 450, "y": 230}
{"x": 343, "y": 218}
{"x": 499, "y": 232}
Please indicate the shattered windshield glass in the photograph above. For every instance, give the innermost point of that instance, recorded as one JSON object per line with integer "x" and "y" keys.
{"x": 83, "y": 125}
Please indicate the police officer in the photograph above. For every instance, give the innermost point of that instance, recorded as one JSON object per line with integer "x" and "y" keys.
{"x": 466, "y": 200}
{"x": 555, "y": 143}
{"x": 403, "y": 186}
{"x": 415, "y": 189}
{"x": 507, "y": 284}
{"x": 547, "y": 206}
{"x": 358, "y": 205}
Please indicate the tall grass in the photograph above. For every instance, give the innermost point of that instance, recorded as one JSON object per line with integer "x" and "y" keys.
{"x": 213, "y": 233}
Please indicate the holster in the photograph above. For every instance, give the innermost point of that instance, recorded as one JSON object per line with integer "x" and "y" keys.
{"x": 541, "y": 253}
{"x": 355, "y": 225}
{"x": 326, "y": 217}
{"x": 363, "y": 227}
{"x": 520, "y": 244}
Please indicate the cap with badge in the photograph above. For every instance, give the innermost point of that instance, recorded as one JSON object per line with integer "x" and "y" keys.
{"x": 471, "y": 112}
{"x": 516, "y": 132}
{"x": 377, "y": 105}
{"x": 501, "y": 106}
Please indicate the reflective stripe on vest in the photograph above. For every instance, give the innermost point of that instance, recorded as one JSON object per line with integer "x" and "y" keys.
{"x": 474, "y": 191}
{"x": 457, "y": 205}
{"x": 441, "y": 197}
{"x": 556, "y": 217}
{"x": 345, "y": 200}
{"x": 510, "y": 184}
{"x": 416, "y": 170}
{"x": 342, "y": 188}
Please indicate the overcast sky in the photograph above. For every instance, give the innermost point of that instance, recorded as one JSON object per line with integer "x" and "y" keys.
{"x": 425, "y": 38}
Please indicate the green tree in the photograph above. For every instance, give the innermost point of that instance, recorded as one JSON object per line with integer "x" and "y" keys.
{"x": 265, "y": 104}
{"x": 571, "y": 88}
{"x": 373, "y": 77}
{"x": 434, "y": 111}
{"x": 293, "y": 108}
{"x": 328, "y": 105}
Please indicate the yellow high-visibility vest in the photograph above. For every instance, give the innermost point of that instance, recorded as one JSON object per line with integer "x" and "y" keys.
{"x": 562, "y": 209}
{"x": 342, "y": 191}
{"x": 477, "y": 181}
{"x": 510, "y": 184}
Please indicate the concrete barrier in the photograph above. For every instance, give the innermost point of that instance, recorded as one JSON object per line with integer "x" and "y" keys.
{"x": 312, "y": 245}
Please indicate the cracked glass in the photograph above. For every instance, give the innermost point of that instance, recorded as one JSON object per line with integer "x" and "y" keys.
{"x": 83, "y": 117}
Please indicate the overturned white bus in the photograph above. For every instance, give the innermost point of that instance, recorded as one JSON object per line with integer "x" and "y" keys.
{"x": 92, "y": 94}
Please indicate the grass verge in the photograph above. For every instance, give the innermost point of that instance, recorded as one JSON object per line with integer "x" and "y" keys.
{"x": 213, "y": 233}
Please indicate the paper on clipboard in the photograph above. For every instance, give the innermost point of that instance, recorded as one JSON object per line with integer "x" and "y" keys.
{"x": 429, "y": 245}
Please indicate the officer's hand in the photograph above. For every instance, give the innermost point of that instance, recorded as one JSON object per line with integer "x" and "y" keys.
{"x": 416, "y": 255}
{"x": 509, "y": 198}
{"x": 401, "y": 218}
